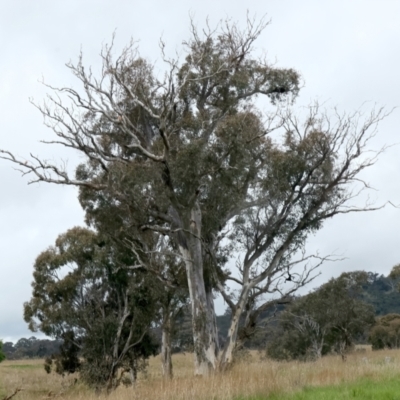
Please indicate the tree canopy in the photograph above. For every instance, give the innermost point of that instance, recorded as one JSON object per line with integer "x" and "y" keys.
{"x": 2, "y": 355}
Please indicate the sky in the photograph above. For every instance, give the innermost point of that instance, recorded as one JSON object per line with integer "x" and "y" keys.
{"x": 348, "y": 54}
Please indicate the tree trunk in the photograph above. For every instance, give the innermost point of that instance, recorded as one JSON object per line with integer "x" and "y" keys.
{"x": 226, "y": 356}
{"x": 166, "y": 351}
{"x": 205, "y": 337}
{"x": 111, "y": 382}
{"x": 317, "y": 345}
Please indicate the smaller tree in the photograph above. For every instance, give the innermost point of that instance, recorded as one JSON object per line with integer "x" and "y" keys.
{"x": 87, "y": 292}
{"x": 67, "y": 360}
{"x": 2, "y": 355}
{"x": 328, "y": 319}
{"x": 386, "y": 332}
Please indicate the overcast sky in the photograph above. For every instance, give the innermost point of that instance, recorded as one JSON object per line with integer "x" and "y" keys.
{"x": 348, "y": 52}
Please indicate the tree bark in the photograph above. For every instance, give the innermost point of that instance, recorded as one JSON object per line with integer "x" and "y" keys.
{"x": 226, "y": 357}
{"x": 205, "y": 336}
{"x": 316, "y": 348}
{"x": 166, "y": 351}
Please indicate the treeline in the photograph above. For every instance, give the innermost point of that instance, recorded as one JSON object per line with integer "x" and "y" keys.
{"x": 31, "y": 348}
{"x": 368, "y": 303}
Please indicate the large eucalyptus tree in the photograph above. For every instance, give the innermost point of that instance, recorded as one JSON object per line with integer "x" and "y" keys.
{"x": 191, "y": 157}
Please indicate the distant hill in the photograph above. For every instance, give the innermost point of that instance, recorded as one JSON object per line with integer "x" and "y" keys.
{"x": 382, "y": 293}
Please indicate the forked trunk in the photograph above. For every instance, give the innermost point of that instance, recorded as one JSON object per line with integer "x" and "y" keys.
{"x": 205, "y": 337}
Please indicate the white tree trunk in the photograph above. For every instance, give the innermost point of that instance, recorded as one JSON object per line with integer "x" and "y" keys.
{"x": 316, "y": 348}
{"x": 226, "y": 356}
{"x": 205, "y": 337}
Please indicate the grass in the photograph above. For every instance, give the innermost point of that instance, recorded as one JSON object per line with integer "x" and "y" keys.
{"x": 24, "y": 366}
{"x": 363, "y": 389}
{"x": 365, "y": 375}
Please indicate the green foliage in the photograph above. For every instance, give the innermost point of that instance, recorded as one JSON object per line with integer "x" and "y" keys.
{"x": 85, "y": 294}
{"x": 382, "y": 293}
{"x": 328, "y": 319}
{"x": 386, "y": 332}
{"x": 67, "y": 360}
{"x": 395, "y": 272}
{"x": 2, "y": 355}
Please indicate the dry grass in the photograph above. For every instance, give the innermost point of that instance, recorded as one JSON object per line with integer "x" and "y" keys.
{"x": 251, "y": 377}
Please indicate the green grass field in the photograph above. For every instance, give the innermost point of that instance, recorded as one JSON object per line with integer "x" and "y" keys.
{"x": 25, "y": 366}
{"x": 363, "y": 389}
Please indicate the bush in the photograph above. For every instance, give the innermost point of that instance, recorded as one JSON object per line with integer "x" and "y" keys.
{"x": 386, "y": 332}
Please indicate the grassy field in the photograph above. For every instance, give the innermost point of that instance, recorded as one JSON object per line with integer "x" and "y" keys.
{"x": 364, "y": 389}
{"x": 365, "y": 375}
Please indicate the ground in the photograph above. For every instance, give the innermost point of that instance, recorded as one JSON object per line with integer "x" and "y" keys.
{"x": 366, "y": 374}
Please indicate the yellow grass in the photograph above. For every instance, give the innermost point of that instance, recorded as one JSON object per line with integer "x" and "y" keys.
{"x": 252, "y": 377}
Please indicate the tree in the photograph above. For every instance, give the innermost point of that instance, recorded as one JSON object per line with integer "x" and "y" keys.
{"x": 190, "y": 157}
{"x": 172, "y": 305}
{"x": 330, "y": 318}
{"x": 84, "y": 294}
{"x": 394, "y": 277}
{"x": 2, "y": 355}
{"x": 386, "y": 332}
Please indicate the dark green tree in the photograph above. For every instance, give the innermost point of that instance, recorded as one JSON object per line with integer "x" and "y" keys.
{"x": 2, "y": 355}
{"x": 66, "y": 360}
{"x": 191, "y": 157}
{"x": 386, "y": 332}
{"x": 104, "y": 214}
{"x": 87, "y": 293}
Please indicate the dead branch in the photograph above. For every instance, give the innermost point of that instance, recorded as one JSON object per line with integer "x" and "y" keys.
{"x": 13, "y": 394}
